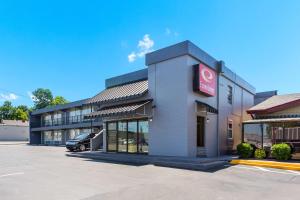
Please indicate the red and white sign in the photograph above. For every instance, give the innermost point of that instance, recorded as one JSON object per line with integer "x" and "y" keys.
{"x": 207, "y": 80}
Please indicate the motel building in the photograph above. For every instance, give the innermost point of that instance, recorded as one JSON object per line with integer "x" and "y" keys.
{"x": 184, "y": 103}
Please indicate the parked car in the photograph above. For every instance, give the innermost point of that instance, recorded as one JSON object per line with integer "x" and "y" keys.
{"x": 80, "y": 142}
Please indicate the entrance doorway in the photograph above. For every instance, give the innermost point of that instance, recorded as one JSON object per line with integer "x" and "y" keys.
{"x": 128, "y": 136}
{"x": 200, "y": 131}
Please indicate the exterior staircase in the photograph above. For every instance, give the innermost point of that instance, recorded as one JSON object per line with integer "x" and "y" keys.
{"x": 97, "y": 141}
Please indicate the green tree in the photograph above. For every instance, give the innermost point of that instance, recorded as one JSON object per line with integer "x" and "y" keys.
{"x": 6, "y": 110}
{"x": 59, "y": 100}
{"x": 42, "y": 98}
{"x": 20, "y": 114}
{"x": 24, "y": 108}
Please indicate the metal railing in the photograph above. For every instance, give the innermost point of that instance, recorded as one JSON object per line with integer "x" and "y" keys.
{"x": 65, "y": 121}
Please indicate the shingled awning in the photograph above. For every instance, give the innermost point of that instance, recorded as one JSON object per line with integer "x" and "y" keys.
{"x": 122, "y": 92}
{"x": 275, "y": 104}
{"x": 138, "y": 108}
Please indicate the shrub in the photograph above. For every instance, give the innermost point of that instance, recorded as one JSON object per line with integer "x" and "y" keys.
{"x": 245, "y": 150}
{"x": 281, "y": 151}
{"x": 253, "y": 151}
{"x": 260, "y": 154}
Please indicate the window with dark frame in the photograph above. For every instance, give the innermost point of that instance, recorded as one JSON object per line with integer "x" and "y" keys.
{"x": 128, "y": 136}
{"x": 229, "y": 95}
{"x": 230, "y": 129}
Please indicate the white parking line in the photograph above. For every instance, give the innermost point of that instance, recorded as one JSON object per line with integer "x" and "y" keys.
{"x": 288, "y": 172}
{"x": 12, "y": 174}
{"x": 294, "y": 172}
{"x": 263, "y": 169}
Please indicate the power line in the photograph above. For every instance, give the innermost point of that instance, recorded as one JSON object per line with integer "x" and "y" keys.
{"x": 9, "y": 91}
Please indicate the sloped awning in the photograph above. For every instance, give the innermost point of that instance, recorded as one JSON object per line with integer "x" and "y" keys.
{"x": 138, "y": 109}
{"x": 122, "y": 92}
{"x": 276, "y": 103}
{"x": 207, "y": 108}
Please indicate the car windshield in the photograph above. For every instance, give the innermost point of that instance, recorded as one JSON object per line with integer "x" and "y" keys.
{"x": 82, "y": 136}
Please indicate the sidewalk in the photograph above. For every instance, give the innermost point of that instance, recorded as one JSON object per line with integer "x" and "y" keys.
{"x": 268, "y": 164}
{"x": 13, "y": 142}
{"x": 165, "y": 161}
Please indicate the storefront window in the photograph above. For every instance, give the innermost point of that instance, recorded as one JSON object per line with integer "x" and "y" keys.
{"x": 122, "y": 137}
{"x": 267, "y": 136}
{"x": 112, "y": 136}
{"x": 132, "y": 136}
{"x": 128, "y": 136}
{"x": 143, "y": 136}
{"x": 253, "y": 134}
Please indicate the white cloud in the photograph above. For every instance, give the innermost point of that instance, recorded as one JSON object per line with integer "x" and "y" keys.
{"x": 169, "y": 32}
{"x": 131, "y": 57}
{"x": 32, "y": 97}
{"x": 8, "y": 97}
{"x": 144, "y": 46}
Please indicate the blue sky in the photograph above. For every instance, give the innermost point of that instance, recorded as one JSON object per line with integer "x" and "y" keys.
{"x": 71, "y": 47}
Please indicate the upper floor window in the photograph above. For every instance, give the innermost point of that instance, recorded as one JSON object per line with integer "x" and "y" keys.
{"x": 229, "y": 94}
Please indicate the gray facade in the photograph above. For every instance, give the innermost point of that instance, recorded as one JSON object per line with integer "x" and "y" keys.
{"x": 173, "y": 129}
{"x": 172, "y": 110}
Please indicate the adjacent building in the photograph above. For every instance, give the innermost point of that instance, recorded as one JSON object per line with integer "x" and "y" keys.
{"x": 185, "y": 103}
{"x": 275, "y": 120}
{"x": 14, "y": 130}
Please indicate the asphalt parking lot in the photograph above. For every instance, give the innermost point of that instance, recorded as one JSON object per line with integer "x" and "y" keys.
{"x": 41, "y": 172}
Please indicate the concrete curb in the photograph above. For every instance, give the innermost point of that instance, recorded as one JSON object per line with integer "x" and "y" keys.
{"x": 268, "y": 164}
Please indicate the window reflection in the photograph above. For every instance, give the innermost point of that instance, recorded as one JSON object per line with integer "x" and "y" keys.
{"x": 143, "y": 136}
{"x": 112, "y": 136}
{"x": 128, "y": 136}
{"x": 132, "y": 137}
{"x": 122, "y": 137}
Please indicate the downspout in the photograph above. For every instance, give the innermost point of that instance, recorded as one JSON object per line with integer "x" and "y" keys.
{"x": 219, "y": 73}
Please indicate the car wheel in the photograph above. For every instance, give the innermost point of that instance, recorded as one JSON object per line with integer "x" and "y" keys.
{"x": 82, "y": 147}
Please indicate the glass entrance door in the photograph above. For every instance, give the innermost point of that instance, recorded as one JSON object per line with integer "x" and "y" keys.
{"x": 143, "y": 136}
{"x": 132, "y": 136}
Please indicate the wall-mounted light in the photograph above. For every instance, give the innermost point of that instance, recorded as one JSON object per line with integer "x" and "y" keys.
{"x": 207, "y": 120}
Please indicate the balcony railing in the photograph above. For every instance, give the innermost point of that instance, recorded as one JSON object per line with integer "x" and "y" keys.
{"x": 65, "y": 121}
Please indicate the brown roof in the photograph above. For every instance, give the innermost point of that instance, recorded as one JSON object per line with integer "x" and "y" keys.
{"x": 118, "y": 110}
{"x": 276, "y": 103}
{"x": 122, "y": 92}
{"x": 14, "y": 123}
